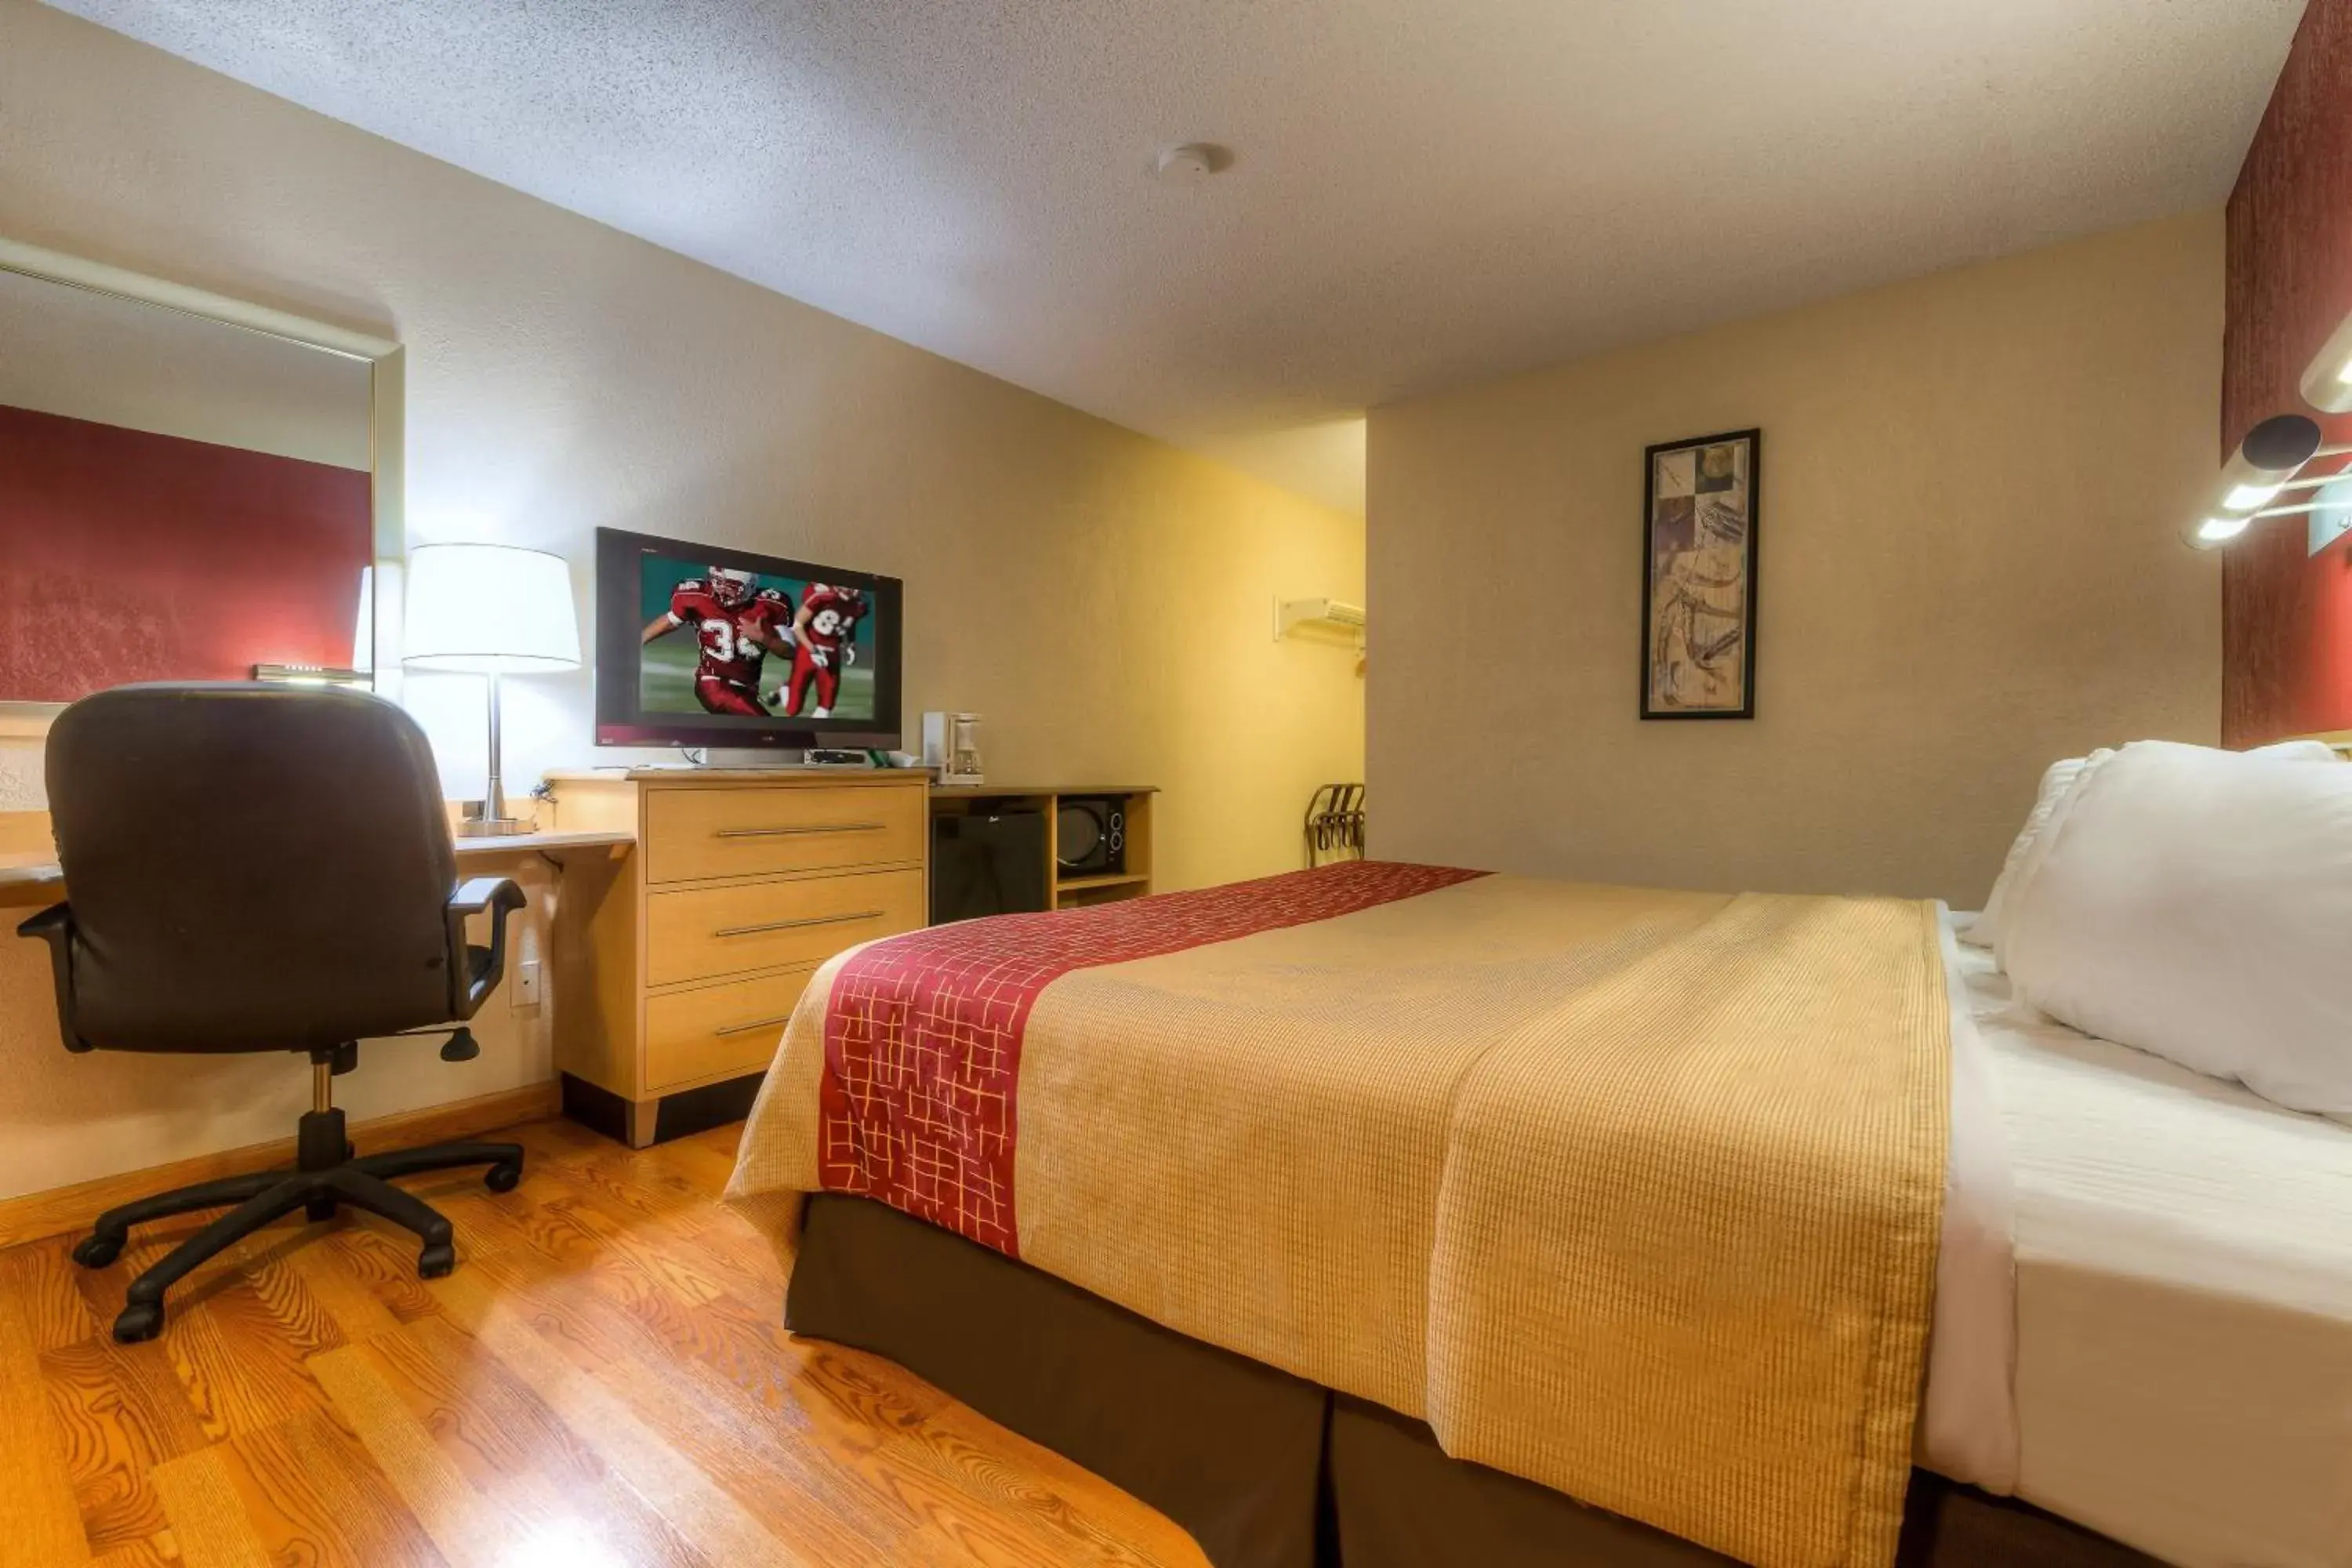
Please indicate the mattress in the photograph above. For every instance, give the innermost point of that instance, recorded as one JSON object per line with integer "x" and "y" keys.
{"x": 2183, "y": 1288}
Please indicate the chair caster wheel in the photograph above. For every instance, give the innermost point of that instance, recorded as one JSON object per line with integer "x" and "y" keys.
{"x": 97, "y": 1251}
{"x": 502, "y": 1178}
{"x": 138, "y": 1321}
{"x": 437, "y": 1258}
{"x": 319, "y": 1209}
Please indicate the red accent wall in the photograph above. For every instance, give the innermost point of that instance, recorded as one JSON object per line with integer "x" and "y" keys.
{"x": 130, "y": 556}
{"x": 2286, "y": 617}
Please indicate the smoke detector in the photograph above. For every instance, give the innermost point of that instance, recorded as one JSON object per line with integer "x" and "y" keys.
{"x": 1191, "y": 163}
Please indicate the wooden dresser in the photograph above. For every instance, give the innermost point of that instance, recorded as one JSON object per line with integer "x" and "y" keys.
{"x": 674, "y": 983}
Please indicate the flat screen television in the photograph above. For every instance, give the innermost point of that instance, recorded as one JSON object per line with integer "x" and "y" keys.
{"x": 700, "y": 645}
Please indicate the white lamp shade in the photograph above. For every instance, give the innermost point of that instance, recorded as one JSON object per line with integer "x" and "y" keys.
{"x": 495, "y": 608}
{"x": 363, "y": 625}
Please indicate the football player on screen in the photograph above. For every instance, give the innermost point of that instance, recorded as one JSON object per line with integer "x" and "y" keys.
{"x": 739, "y": 623}
{"x": 824, "y": 635}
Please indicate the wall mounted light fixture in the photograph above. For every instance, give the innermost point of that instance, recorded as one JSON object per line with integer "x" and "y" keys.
{"x": 2280, "y": 454}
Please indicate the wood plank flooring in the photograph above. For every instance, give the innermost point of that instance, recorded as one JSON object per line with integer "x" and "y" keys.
{"x": 605, "y": 1381}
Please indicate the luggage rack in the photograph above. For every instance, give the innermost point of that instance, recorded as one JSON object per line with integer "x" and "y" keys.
{"x": 1335, "y": 824}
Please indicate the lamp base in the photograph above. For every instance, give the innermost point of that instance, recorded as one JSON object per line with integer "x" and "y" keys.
{"x": 490, "y": 827}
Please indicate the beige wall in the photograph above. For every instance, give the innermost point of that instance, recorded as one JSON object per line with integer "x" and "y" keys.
{"x": 1970, "y": 563}
{"x": 1101, "y": 598}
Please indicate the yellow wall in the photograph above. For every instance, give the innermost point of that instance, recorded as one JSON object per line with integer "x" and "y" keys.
{"x": 1972, "y": 489}
{"x": 1103, "y": 599}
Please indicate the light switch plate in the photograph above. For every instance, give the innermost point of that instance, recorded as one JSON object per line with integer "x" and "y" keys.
{"x": 526, "y": 984}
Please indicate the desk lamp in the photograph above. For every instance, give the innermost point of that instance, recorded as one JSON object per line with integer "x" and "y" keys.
{"x": 495, "y": 610}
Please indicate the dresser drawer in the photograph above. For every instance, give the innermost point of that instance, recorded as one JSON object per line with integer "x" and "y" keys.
{"x": 698, "y": 933}
{"x": 697, "y": 833}
{"x": 719, "y": 1030}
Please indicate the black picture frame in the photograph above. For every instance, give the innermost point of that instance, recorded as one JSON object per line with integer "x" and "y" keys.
{"x": 1700, "y": 604}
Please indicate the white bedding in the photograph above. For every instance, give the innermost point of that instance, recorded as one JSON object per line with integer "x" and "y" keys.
{"x": 1968, "y": 1423}
{"x": 2182, "y": 1319}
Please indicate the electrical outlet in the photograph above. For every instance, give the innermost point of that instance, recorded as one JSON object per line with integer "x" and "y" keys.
{"x": 526, "y": 983}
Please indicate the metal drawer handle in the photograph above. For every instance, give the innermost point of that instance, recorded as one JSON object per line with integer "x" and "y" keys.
{"x": 792, "y": 925}
{"x": 786, "y": 832}
{"x": 754, "y": 1024}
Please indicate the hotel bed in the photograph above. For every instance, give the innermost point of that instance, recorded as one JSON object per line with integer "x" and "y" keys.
{"x": 1311, "y": 1294}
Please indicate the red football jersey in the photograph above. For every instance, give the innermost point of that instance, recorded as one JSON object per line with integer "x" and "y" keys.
{"x": 732, "y": 649}
{"x": 832, "y": 614}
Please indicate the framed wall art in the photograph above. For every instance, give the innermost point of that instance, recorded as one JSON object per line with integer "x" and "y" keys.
{"x": 1699, "y": 505}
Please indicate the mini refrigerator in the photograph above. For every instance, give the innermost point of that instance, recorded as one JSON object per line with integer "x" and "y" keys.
{"x": 987, "y": 863}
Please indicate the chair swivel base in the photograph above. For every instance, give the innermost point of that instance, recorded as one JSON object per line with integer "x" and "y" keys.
{"x": 327, "y": 1178}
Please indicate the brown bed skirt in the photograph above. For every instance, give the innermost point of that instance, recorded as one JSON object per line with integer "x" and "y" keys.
{"x": 1267, "y": 1471}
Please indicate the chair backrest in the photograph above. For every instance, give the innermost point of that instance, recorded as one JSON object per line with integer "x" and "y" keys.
{"x": 250, "y": 867}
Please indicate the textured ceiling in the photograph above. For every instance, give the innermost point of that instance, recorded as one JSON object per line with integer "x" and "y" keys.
{"x": 1425, "y": 192}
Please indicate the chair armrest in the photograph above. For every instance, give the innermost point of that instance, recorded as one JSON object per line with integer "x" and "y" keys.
{"x": 500, "y": 898}
{"x": 54, "y": 926}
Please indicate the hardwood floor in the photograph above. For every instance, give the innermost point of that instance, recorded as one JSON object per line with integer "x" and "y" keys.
{"x": 605, "y": 1380}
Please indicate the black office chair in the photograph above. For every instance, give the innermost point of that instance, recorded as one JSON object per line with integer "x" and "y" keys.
{"x": 264, "y": 868}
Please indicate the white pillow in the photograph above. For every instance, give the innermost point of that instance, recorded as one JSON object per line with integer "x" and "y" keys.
{"x": 2037, "y": 849}
{"x": 2197, "y": 904}
{"x": 2054, "y": 780}
{"x": 2049, "y": 807}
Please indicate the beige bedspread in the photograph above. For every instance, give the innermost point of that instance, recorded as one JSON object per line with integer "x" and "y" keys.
{"x": 1633, "y": 1194}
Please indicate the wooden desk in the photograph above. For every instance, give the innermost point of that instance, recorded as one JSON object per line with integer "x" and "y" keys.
{"x": 35, "y": 877}
{"x": 189, "y": 1130}
{"x": 695, "y": 904}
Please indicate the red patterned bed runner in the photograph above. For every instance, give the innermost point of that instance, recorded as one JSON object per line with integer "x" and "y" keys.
{"x": 922, "y": 1032}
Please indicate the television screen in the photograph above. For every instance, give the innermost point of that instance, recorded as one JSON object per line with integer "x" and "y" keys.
{"x": 699, "y": 645}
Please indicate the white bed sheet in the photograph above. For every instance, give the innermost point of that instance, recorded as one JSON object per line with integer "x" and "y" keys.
{"x": 2183, "y": 1299}
{"x": 1967, "y": 1421}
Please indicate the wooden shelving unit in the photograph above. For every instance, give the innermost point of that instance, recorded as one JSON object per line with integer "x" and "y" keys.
{"x": 1099, "y": 880}
{"x": 1132, "y": 880}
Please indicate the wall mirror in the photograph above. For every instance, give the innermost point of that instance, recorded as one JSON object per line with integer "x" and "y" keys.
{"x": 190, "y": 488}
